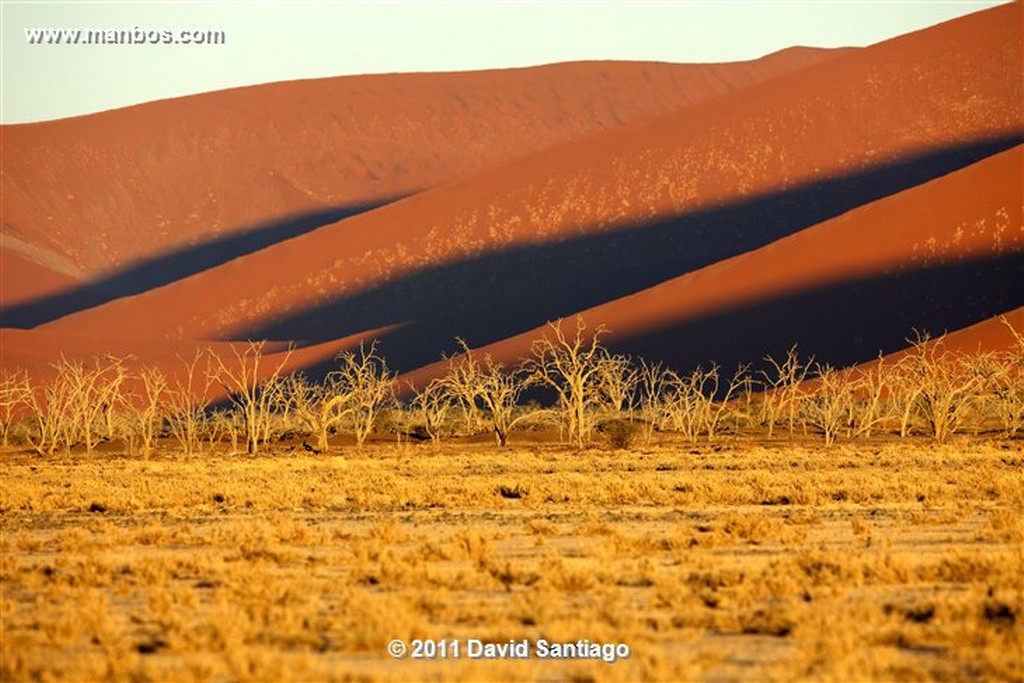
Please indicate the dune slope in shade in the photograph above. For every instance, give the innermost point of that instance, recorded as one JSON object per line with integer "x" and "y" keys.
{"x": 937, "y": 257}
{"x": 100, "y": 192}
{"x": 681, "y": 192}
{"x": 969, "y": 221}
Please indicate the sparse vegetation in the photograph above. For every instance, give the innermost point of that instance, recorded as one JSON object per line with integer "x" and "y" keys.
{"x": 434, "y": 403}
{"x": 253, "y": 394}
{"x": 621, "y": 433}
{"x": 366, "y": 385}
{"x": 946, "y": 388}
{"x": 15, "y": 397}
{"x": 783, "y": 562}
{"x": 492, "y": 390}
{"x": 186, "y": 565}
{"x": 927, "y": 390}
{"x": 187, "y": 403}
{"x": 783, "y": 393}
{"x": 574, "y": 365}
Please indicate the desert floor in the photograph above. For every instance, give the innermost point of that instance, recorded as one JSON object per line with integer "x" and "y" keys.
{"x": 735, "y": 560}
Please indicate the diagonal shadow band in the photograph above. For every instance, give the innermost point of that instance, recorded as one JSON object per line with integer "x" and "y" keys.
{"x": 842, "y": 323}
{"x": 498, "y": 295}
{"x": 176, "y": 265}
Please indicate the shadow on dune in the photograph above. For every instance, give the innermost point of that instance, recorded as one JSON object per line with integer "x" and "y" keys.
{"x": 176, "y": 265}
{"x": 843, "y": 323}
{"x": 498, "y": 295}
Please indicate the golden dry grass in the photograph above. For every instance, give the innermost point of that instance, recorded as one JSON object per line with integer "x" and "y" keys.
{"x": 877, "y": 561}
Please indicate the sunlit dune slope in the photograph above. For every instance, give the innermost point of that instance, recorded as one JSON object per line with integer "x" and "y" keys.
{"x": 933, "y": 258}
{"x": 24, "y": 279}
{"x": 37, "y": 352}
{"x": 597, "y": 219}
{"x": 92, "y": 194}
{"x": 989, "y": 335}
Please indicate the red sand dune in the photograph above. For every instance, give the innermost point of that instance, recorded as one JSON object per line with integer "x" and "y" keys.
{"x": 954, "y": 84}
{"x": 97, "y": 192}
{"x": 817, "y": 190}
{"x": 23, "y": 279}
{"x": 965, "y": 216}
{"x": 997, "y": 334}
{"x": 968, "y": 215}
{"x": 35, "y": 352}
{"x": 994, "y": 334}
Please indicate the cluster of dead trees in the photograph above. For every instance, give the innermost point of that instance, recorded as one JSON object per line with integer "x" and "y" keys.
{"x": 84, "y": 405}
{"x": 927, "y": 390}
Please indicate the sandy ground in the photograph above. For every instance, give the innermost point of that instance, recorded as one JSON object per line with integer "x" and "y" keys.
{"x": 732, "y": 561}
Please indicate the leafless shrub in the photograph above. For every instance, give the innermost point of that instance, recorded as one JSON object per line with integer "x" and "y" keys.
{"x": 571, "y": 364}
{"x": 745, "y": 411}
{"x": 717, "y": 405}
{"x": 50, "y": 414}
{"x": 461, "y": 382}
{"x": 1002, "y": 379}
{"x": 487, "y": 388}
{"x": 76, "y": 405}
{"x": 254, "y": 396}
{"x": 187, "y": 402}
{"x": 147, "y": 409}
{"x": 904, "y": 392}
{"x": 694, "y": 404}
{"x": 318, "y": 407}
{"x": 433, "y": 403}
{"x": 782, "y": 392}
{"x": 222, "y": 424}
{"x": 683, "y": 401}
{"x": 829, "y": 408}
{"x": 499, "y": 391}
{"x": 367, "y": 385}
{"x": 110, "y": 388}
{"x": 617, "y": 381}
{"x": 869, "y": 389}
{"x": 15, "y": 399}
{"x": 650, "y": 388}
{"x": 357, "y": 392}
{"x": 940, "y": 385}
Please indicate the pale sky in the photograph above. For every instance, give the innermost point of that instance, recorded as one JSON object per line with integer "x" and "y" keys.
{"x": 273, "y": 41}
